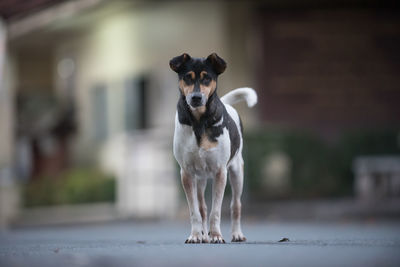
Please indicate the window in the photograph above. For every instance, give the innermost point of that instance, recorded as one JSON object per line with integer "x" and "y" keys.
{"x": 99, "y": 111}
{"x": 135, "y": 103}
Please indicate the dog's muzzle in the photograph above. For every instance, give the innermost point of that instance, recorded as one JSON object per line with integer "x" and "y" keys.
{"x": 196, "y": 99}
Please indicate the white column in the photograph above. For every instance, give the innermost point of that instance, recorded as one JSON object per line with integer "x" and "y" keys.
{"x": 9, "y": 196}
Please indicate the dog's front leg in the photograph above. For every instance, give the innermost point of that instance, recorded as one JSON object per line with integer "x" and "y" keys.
{"x": 189, "y": 185}
{"x": 215, "y": 215}
{"x": 201, "y": 187}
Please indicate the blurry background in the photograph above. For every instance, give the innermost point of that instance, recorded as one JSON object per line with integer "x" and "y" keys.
{"x": 87, "y": 106}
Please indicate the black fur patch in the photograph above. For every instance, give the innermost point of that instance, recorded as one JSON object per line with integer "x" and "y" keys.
{"x": 215, "y": 110}
{"x": 213, "y": 64}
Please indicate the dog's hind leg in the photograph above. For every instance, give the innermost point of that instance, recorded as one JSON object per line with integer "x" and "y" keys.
{"x": 201, "y": 187}
{"x": 236, "y": 181}
{"x": 189, "y": 186}
{"x": 219, "y": 184}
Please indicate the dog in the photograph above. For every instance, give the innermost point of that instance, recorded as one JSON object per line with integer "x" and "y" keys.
{"x": 208, "y": 144}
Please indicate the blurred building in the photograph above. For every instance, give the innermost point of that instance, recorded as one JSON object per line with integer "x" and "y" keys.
{"x": 86, "y": 77}
{"x": 329, "y": 69}
{"x": 81, "y": 79}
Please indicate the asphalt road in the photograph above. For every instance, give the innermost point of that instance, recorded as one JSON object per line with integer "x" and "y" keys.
{"x": 162, "y": 244}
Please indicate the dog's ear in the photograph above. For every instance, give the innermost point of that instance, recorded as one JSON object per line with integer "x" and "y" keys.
{"x": 177, "y": 62}
{"x": 218, "y": 64}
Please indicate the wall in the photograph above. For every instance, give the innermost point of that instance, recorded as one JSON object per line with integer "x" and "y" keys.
{"x": 140, "y": 40}
{"x": 118, "y": 41}
{"x": 329, "y": 70}
{"x": 9, "y": 197}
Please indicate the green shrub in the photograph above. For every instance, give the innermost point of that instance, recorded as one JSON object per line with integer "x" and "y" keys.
{"x": 71, "y": 187}
{"x": 358, "y": 143}
{"x": 318, "y": 169}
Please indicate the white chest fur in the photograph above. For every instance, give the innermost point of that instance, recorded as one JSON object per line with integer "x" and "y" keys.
{"x": 197, "y": 160}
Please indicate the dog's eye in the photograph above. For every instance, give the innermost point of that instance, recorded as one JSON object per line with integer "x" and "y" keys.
{"x": 187, "y": 78}
{"x": 206, "y": 79}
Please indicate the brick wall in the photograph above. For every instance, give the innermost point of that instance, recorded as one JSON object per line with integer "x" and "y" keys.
{"x": 329, "y": 70}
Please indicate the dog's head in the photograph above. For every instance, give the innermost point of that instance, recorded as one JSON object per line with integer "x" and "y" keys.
{"x": 197, "y": 77}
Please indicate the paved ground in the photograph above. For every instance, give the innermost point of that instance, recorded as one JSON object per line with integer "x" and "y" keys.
{"x": 161, "y": 244}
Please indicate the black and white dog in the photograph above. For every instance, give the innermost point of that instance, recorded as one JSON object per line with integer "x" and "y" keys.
{"x": 208, "y": 144}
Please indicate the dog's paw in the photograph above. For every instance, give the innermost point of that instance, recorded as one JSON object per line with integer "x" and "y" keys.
{"x": 238, "y": 237}
{"x": 194, "y": 239}
{"x": 204, "y": 238}
{"x": 216, "y": 239}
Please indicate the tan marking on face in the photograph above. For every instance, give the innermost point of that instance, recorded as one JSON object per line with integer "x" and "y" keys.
{"x": 202, "y": 74}
{"x": 207, "y": 90}
{"x": 185, "y": 89}
{"x": 206, "y": 144}
{"x": 192, "y": 74}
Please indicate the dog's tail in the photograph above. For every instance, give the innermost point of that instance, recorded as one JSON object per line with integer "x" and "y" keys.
{"x": 239, "y": 95}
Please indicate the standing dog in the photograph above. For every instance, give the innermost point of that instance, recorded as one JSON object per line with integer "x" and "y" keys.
{"x": 208, "y": 144}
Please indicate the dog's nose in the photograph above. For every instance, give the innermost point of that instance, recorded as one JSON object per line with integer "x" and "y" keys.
{"x": 196, "y": 99}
